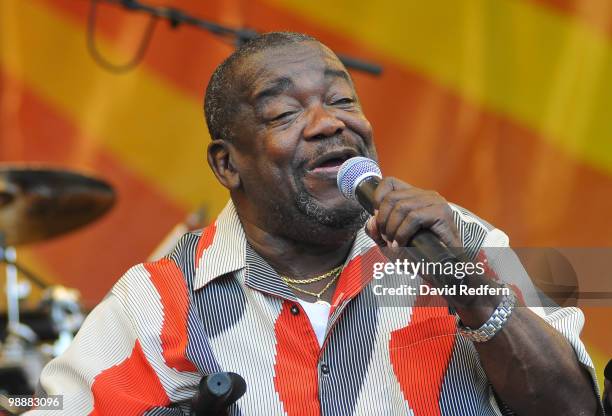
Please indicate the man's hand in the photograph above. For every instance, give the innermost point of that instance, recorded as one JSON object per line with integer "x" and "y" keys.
{"x": 403, "y": 210}
{"x": 529, "y": 381}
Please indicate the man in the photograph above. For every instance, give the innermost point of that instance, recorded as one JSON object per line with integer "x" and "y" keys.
{"x": 274, "y": 289}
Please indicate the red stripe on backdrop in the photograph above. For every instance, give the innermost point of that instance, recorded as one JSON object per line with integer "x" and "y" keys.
{"x": 505, "y": 172}
{"x": 172, "y": 288}
{"x": 93, "y": 258}
{"x": 297, "y": 351}
{"x": 131, "y": 386}
{"x": 595, "y": 13}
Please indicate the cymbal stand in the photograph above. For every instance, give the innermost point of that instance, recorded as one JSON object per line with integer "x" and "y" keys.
{"x": 16, "y": 333}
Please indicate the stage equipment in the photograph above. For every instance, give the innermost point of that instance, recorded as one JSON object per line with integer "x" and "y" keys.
{"x": 175, "y": 18}
{"x": 36, "y": 204}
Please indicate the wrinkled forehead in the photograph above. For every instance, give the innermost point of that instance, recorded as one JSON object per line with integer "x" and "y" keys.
{"x": 304, "y": 62}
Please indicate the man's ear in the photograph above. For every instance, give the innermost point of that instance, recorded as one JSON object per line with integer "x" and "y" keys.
{"x": 218, "y": 156}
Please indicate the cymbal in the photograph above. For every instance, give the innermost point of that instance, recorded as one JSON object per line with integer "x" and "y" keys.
{"x": 41, "y": 203}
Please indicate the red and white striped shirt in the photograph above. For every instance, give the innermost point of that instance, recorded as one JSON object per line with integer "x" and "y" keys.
{"x": 215, "y": 305}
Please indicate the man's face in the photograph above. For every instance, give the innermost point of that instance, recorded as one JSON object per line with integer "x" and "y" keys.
{"x": 299, "y": 120}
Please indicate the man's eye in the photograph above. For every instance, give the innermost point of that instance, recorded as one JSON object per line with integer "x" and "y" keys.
{"x": 343, "y": 101}
{"x": 283, "y": 115}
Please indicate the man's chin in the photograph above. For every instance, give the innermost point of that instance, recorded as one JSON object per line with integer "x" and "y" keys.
{"x": 339, "y": 214}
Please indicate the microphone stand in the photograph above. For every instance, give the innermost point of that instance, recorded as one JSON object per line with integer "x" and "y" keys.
{"x": 216, "y": 393}
{"x": 176, "y": 17}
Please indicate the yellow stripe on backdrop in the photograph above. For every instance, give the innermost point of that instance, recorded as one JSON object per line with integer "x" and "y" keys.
{"x": 543, "y": 69}
{"x": 53, "y": 60}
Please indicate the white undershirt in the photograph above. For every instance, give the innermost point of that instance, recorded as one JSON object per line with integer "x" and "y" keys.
{"x": 318, "y": 314}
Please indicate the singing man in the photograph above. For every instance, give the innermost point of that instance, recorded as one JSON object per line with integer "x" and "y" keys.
{"x": 275, "y": 291}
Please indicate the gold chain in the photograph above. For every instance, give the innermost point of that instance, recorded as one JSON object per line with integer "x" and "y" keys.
{"x": 333, "y": 271}
{"x": 316, "y": 294}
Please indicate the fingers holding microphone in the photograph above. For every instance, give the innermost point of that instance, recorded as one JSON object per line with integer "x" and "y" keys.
{"x": 402, "y": 216}
{"x": 403, "y": 211}
{"x": 400, "y": 211}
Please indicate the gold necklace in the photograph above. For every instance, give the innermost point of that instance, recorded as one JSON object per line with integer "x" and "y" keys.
{"x": 333, "y": 271}
{"x": 316, "y": 294}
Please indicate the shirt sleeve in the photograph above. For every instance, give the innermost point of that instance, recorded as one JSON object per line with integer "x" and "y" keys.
{"x": 107, "y": 369}
{"x": 505, "y": 264}
{"x": 568, "y": 321}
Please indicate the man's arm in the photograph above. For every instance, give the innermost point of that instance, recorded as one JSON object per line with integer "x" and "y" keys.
{"x": 116, "y": 363}
{"x": 530, "y": 365}
{"x": 104, "y": 369}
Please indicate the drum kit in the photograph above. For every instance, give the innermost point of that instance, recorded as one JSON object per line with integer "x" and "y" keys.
{"x": 37, "y": 204}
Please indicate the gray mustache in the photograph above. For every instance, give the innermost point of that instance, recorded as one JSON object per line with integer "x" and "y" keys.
{"x": 334, "y": 142}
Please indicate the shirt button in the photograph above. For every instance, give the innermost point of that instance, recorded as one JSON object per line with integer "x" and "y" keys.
{"x": 295, "y": 310}
{"x": 325, "y": 369}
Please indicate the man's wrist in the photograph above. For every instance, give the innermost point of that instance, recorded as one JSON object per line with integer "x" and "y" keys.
{"x": 495, "y": 323}
{"x": 476, "y": 300}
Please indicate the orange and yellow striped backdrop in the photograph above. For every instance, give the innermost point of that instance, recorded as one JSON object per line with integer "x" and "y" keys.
{"x": 502, "y": 106}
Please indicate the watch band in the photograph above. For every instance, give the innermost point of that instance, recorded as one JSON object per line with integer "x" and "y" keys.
{"x": 494, "y": 324}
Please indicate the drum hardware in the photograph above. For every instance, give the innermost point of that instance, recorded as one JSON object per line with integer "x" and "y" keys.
{"x": 195, "y": 220}
{"x": 64, "y": 308}
{"x": 8, "y": 255}
{"x": 38, "y": 204}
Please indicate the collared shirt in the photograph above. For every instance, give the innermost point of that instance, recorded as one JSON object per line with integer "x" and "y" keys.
{"x": 215, "y": 305}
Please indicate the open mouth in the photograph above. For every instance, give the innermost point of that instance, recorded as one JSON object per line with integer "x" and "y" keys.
{"x": 331, "y": 161}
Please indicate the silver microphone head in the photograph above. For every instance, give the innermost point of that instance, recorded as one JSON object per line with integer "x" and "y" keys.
{"x": 353, "y": 171}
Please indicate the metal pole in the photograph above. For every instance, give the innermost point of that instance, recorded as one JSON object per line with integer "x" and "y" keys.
{"x": 12, "y": 288}
{"x": 177, "y": 17}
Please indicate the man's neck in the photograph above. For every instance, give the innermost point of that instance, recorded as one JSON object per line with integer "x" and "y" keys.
{"x": 295, "y": 259}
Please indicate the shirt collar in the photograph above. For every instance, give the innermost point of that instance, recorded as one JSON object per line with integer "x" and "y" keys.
{"x": 223, "y": 248}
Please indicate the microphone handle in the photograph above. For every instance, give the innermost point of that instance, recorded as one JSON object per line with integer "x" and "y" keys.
{"x": 364, "y": 193}
{"x": 216, "y": 393}
{"x": 425, "y": 241}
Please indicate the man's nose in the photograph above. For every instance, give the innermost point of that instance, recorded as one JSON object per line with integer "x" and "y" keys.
{"x": 322, "y": 124}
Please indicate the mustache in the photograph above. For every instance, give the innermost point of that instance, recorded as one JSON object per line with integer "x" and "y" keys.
{"x": 334, "y": 142}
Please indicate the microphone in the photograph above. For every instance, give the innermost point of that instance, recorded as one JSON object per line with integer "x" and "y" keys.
{"x": 217, "y": 392}
{"x": 358, "y": 178}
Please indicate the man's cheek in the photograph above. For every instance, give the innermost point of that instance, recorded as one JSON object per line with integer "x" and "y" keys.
{"x": 362, "y": 126}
